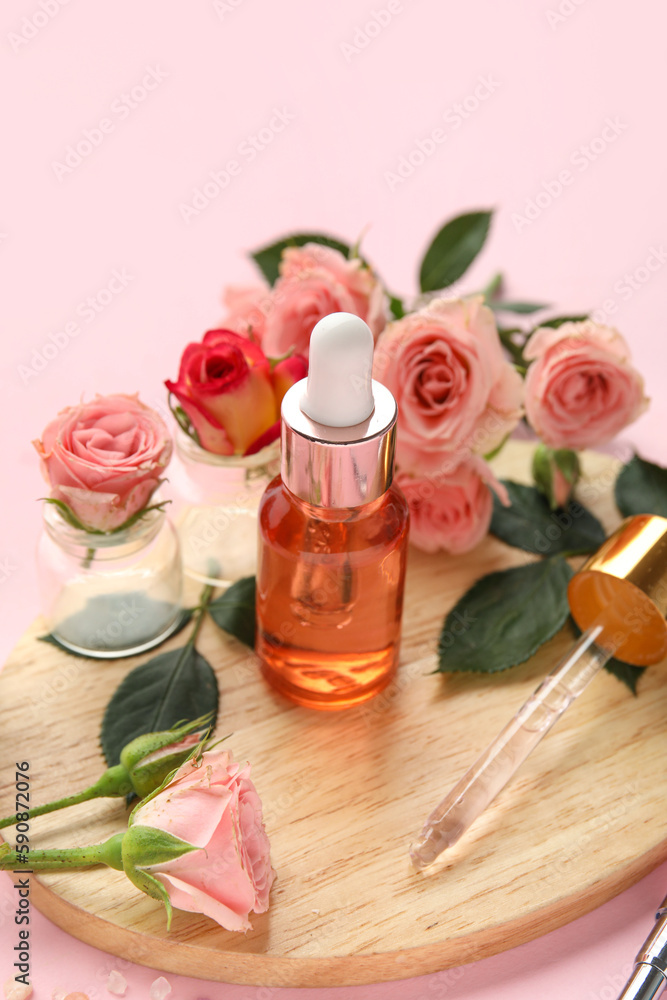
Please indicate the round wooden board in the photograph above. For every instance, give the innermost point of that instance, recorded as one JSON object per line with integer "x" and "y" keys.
{"x": 344, "y": 794}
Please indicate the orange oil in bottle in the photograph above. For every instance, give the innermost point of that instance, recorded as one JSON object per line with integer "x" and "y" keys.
{"x": 330, "y": 596}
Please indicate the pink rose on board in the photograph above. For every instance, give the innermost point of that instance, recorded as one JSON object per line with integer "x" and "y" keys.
{"x": 450, "y": 508}
{"x": 247, "y": 309}
{"x": 314, "y": 282}
{"x": 581, "y": 389}
{"x": 104, "y": 459}
{"x": 212, "y": 808}
{"x": 230, "y": 394}
{"x": 455, "y": 391}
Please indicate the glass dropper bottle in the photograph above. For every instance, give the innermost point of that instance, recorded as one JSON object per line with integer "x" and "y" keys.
{"x": 619, "y": 599}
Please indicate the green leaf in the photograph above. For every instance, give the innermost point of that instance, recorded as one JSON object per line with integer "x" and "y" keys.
{"x": 641, "y": 488}
{"x": 520, "y": 308}
{"x": 453, "y": 250}
{"x": 514, "y": 349}
{"x": 531, "y": 525}
{"x": 396, "y": 307}
{"x": 171, "y": 688}
{"x": 625, "y": 672}
{"x": 268, "y": 258}
{"x": 234, "y": 611}
{"x": 186, "y": 615}
{"x": 505, "y": 617}
{"x": 183, "y": 420}
{"x": 557, "y": 321}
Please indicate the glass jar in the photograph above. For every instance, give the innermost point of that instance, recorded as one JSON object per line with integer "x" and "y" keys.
{"x": 110, "y": 595}
{"x": 217, "y": 502}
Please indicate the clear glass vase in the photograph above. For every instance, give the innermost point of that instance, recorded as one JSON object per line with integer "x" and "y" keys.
{"x": 217, "y": 502}
{"x": 110, "y": 595}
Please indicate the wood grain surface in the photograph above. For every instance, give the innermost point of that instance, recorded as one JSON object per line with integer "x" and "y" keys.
{"x": 344, "y": 794}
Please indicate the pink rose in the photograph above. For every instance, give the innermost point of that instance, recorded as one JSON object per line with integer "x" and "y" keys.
{"x": 229, "y": 393}
{"x": 247, "y": 309}
{"x": 315, "y": 281}
{"x": 214, "y": 807}
{"x": 451, "y": 509}
{"x": 455, "y": 391}
{"x": 104, "y": 459}
{"x": 581, "y": 389}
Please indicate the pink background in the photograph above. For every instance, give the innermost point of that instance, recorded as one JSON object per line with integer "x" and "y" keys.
{"x": 219, "y": 72}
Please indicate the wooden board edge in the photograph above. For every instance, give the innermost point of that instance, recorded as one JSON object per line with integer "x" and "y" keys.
{"x": 252, "y": 969}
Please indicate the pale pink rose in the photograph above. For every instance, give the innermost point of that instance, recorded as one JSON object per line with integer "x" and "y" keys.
{"x": 581, "y": 389}
{"x": 450, "y": 508}
{"x": 214, "y": 806}
{"x": 247, "y": 309}
{"x": 314, "y": 282}
{"x": 455, "y": 391}
{"x": 104, "y": 459}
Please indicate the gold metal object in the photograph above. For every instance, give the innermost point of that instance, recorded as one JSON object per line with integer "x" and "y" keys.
{"x": 624, "y": 585}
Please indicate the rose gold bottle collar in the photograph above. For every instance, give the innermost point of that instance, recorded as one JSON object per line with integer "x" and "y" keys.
{"x": 338, "y": 466}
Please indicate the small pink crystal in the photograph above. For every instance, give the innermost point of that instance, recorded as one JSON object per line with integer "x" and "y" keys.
{"x": 16, "y": 991}
{"x": 160, "y": 989}
{"x": 117, "y": 983}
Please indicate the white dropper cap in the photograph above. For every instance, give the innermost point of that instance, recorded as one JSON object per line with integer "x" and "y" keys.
{"x": 339, "y": 392}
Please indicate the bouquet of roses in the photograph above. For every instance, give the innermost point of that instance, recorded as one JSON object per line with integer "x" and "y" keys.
{"x": 464, "y": 377}
{"x": 462, "y": 380}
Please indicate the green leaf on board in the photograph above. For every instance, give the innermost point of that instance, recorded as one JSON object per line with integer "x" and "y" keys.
{"x": 530, "y": 524}
{"x": 174, "y": 687}
{"x": 626, "y": 673}
{"x": 453, "y": 250}
{"x": 505, "y": 617}
{"x": 268, "y": 258}
{"x": 520, "y": 308}
{"x": 641, "y": 488}
{"x": 234, "y": 611}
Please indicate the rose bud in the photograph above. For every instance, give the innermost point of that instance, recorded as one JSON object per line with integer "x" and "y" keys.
{"x": 199, "y": 843}
{"x": 145, "y": 762}
{"x": 224, "y": 386}
{"x": 104, "y": 459}
{"x": 148, "y": 759}
{"x": 556, "y": 473}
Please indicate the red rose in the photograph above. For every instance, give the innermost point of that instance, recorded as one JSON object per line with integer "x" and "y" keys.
{"x": 228, "y": 391}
